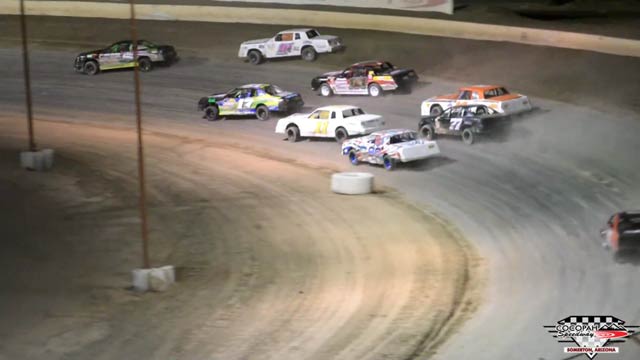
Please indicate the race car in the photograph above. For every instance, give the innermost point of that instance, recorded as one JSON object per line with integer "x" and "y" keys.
{"x": 365, "y": 78}
{"x": 389, "y": 147}
{"x": 492, "y": 96}
{"x": 622, "y": 232}
{"x": 467, "y": 121}
{"x": 307, "y": 43}
{"x": 338, "y": 121}
{"x": 119, "y": 55}
{"x": 252, "y": 99}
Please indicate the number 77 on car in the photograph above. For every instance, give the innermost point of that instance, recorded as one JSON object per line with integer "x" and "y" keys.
{"x": 338, "y": 121}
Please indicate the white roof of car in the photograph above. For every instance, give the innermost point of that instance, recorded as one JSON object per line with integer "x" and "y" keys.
{"x": 338, "y": 107}
{"x": 296, "y": 30}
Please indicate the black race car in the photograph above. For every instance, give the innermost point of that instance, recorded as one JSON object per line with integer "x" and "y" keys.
{"x": 365, "y": 78}
{"x": 622, "y": 232}
{"x": 467, "y": 121}
{"x": 119, "y": 55}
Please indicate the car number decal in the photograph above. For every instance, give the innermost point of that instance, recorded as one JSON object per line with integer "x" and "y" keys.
{"x": 321, "y": 127}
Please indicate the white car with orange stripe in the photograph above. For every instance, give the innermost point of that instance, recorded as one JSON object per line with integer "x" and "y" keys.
{"x": 338, "y": 121}
{"x": 493, "y": 96}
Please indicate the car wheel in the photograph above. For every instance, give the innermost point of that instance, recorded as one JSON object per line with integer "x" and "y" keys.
{"x": 427, "y": 132}
{"x": 353, "y": 157}
{"x": 435, "y": 110}
{"x": 375, "y": 90}
{"x": 262, "y": 113}
{"x": 255, "y": 57}
{"x": 467, "y": 136}
{"x": 341, "y": 134}
{"x": 389, "y": 163}
{"x": 211, "y": 113}
{"x": 309, "y": 53}
{"x": 144, "y": 64}
{"x": 293, "y": 133}
{"x": 325, "y": 90}
{"x": 90, "y": 68}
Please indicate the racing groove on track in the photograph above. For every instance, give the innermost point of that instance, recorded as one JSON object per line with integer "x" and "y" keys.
{"x": 533, "y": 203}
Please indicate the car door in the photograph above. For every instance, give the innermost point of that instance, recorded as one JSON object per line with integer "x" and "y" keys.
{"x": 283, "y": 44}
{"x": 455, "y": 118}
{"x": 229, "y": 104}
{"x": 443, "y": 121}
{"x": 109, "y": 58}
{"x": 358, "y": 80}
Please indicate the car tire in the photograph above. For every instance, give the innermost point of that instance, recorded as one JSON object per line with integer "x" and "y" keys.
{"x": 91, "y": 68}
{"x": 388, "y": 163}
{"x": 293, "y": 133}
{"x": 262, "y": 113}
{"x": 353, "y": 157}
{"x": 435, "y": 110}
{"x": 255, "y": 57}
{"x": 144, "y": 64}
{"x": 428, "y": 132}
{"x": 211, "y": 113}
{"x": 468, "y": 137}
{"x": 309, "y": 53}
{"x": 375, "y": 90}
{"x": 325, "y": 90}
{"x": 341, "y": 134}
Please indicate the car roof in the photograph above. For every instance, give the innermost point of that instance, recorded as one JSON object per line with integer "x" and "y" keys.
{"x": 369, "y": 63}
{"x": 253, "y": 86}
{"x": 296, "y": 30}
{"x": 391, "y": 132}
{"x": 480, "y": 87}
{"x": 338, "y": 107}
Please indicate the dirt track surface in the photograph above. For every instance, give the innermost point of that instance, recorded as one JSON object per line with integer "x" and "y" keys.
{"x": 271, "y": 263}
{"x": 532, "y": 202}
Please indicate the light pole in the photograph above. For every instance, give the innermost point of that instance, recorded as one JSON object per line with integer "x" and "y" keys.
{"x": 27, "y": 76}
{"x": 141, "y": 179}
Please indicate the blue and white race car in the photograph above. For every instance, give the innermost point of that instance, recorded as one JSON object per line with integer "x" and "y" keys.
{"x": 389, "y": 147}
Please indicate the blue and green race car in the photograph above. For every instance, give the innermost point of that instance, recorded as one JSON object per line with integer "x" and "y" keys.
{"x": 253, "y": 99}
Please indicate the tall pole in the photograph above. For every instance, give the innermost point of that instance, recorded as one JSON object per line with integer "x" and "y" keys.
{"x": 141, "y": 180}
{"x": 27, "y": 76}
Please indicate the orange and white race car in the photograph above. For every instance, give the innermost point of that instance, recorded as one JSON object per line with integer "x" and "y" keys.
{"x": 493, "y": 96}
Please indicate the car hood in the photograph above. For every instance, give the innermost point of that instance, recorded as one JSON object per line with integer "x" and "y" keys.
{"x": 331, "y": 73}
{"x": 256, "y": 41}
{"x": 84, "y": 54}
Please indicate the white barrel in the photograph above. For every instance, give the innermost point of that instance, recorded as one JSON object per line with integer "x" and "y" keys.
{"x": 352, "y": 183}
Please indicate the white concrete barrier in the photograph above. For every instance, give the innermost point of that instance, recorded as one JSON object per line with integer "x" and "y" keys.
{"x": 352, "y": 183}
{"x": 402, "y": 24}
{"x": 155, "y": 279}
{"x": 41, "y": 160}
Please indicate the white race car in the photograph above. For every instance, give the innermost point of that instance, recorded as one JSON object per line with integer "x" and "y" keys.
{"x": 389, "y": 147}
{"x": 307, "y": 43}
{"x": 338, "y": 121}
{"x": 493, "y": 96}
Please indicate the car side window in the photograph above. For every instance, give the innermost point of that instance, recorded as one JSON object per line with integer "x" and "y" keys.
{"x": 324, "y": 114}
{"x": 284, "y": 37}
{"x": 378, "y": 140}
{"x": 475, "y": 96}
{"x": 464, "y": 95}
{"x": 297, "y": 36}
{"x": 314, "y": 115}
{"x": 333, "y": 114}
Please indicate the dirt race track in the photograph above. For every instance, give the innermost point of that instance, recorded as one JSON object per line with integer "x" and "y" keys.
{"x": 532, "y": 202}
{"x": 271, "y": 263}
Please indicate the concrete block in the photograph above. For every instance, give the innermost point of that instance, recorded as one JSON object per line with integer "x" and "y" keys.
{"x": 352, "y": 183}
{"x": 141, "y": 279}
{"x": 41, "y": 160}
{"x": 155, "y": 279}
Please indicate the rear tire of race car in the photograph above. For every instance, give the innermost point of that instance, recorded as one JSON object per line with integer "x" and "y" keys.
{"x": 352, "y": 183}
{"x": 211, "y": 113}
{"x": 427, "y": 132}
{"x": 435, "y": 110}
{"x": 388, "y": 163}
{"x": 341, "y": 134}
{"x": 308, "y": 53}
{"x": 90, "y": 68}
{"x": 293, "y": 133}
{"x": 144, "y": 64}
{"x": 255, "y": 57}
{"x": 353, "y": 157}
{"x": 262, "y": 113}
{"x": 325, "y": 90}
{"x": 375, "y": 90}
{"x": 468, "y": 137}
